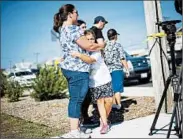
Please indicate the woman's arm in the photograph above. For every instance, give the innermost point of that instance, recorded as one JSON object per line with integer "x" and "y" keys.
{"x": 83, "y": 57}
{"x": 87, "y": 45}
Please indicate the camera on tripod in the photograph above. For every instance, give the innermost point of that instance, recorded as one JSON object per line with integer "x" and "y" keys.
{"x": 169, "y": 28}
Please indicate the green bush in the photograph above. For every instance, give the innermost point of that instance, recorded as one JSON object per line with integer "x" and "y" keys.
{"x": 3, "y": 84}
{"x": 49, "y": 84}
{"x": 13, "y": 91}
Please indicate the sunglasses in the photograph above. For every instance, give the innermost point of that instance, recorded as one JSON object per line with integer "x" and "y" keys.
{"x": 83, "y": 27}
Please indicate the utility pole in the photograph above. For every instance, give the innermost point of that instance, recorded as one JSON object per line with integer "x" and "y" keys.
{"x": 37, "y": 54}
{"x": 159, "y": 69}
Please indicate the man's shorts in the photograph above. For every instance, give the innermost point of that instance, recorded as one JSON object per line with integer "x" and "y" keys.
{"x": 117, "y": 81}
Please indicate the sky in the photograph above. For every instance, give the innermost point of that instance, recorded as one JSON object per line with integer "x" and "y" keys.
{"x": 26, "y": 26}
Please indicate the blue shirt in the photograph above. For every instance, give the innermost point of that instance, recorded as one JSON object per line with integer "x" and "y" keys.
{"x": 68, "y": 36}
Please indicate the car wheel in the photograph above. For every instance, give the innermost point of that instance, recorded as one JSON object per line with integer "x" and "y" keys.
{"x": 146, "y": 80}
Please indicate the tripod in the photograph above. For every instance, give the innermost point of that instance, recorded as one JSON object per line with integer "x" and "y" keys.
{"x": 170, "y": 29}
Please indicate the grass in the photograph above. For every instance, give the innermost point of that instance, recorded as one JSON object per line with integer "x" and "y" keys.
{"x": 16, "y": 127}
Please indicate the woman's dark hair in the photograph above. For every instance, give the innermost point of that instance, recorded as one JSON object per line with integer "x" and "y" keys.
{"x": 80, "y": 22}
{"x": 61, "y": 16}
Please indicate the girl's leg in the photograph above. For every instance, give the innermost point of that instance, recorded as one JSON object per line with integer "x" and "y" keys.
{"x": 108, "y": 105}
{"x": 102, "y": 111}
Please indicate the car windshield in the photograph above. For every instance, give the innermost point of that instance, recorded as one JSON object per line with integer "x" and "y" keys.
{"x": 10, "y": 75}
{"x": 23, "y": 73}
{"x": 34, "y": 70}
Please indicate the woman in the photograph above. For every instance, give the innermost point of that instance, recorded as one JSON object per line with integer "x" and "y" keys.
{"x": 82, "y": 24}
{"x": 100, "y": 88}
{"x": 74, "y": 69}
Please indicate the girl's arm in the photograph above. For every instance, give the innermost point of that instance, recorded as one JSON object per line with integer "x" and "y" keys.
{"x": 83, "y": 57}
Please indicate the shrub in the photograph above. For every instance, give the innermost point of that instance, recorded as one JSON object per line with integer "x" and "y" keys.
{"x": 13, "y": 91}
{"x": 49, "y": 84}
{"x": 3, "y": 83}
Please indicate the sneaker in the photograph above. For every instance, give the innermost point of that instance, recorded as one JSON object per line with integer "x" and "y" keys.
{"x": 85, "y": 130}
{"x": 114, "y": 106}
{"x": 76, "y": 134}
{"x": 118, "y": 107}
{"x": 105, "y": 129}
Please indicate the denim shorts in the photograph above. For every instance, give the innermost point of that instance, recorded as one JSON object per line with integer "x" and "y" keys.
{"x": 117, "y": 81}
{"x": 78, "y": 83}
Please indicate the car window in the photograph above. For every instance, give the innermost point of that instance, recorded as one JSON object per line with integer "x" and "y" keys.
{"x": 35, "y": 71}
{"x": 10, "y": 75}
{"x": 23, "y": 73}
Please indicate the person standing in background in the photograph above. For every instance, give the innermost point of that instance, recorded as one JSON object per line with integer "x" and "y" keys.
{"x": 115, "y": 59}
{"x": 82, "y": 24}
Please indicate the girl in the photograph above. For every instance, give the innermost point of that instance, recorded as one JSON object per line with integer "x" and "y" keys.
{"x": 99, "y": 82}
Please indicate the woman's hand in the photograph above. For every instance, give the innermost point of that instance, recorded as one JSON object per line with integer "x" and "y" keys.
{"x": 75, "y": 54}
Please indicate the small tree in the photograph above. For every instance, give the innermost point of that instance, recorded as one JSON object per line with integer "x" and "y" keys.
{"x": 13, "y": 91}
{"x": 3, "y": 83}
{"x": 49, "y": 84}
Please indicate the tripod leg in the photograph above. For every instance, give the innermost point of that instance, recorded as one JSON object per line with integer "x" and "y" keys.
{"x": 160, "y": 105}
{"x": 177, "y": 119}
{"x": 171, "y": 121}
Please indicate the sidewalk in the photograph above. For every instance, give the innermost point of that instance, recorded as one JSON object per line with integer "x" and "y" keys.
{"x": 140, "y": 127}
{"x": 137, "y": 128}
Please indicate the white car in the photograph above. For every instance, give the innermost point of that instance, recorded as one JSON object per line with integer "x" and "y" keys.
{"x": 23, "y": 77}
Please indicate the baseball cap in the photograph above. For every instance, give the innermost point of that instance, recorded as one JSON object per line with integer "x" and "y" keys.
{"x": 112, "y": 32}
{"x": 100, "y": 18}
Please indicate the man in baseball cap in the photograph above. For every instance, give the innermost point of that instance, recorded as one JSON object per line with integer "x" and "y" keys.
{"x": 100, "y": 18}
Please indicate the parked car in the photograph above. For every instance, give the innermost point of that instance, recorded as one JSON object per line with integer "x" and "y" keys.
{"x": 35, "y": 71}
{"x": 23, "y": 76}
{"x": 139, "y": 68}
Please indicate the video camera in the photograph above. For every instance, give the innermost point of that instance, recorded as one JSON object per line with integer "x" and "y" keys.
{"x": 169, "y": 28}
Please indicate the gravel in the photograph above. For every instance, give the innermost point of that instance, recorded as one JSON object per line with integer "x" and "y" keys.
{"x": 53, "y": 113}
